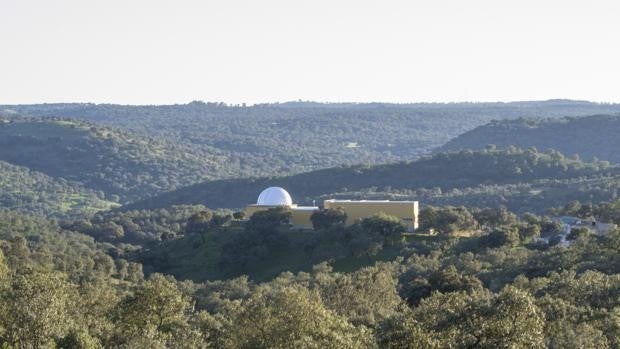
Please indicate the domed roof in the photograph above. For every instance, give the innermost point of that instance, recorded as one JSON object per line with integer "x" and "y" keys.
{"x": 274, "y": 196}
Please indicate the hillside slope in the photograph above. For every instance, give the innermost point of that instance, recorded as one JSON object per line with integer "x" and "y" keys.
{"x": 589, "y": 137}
{"x": 122, "y": 165}
{"x": 486, "y": 173}
{"x": 287, "y": 138}
{"x": 24, "y": 190}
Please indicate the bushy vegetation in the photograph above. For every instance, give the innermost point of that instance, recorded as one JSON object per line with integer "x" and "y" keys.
{"x": 586, "y": 137}
{"x": 279, "y": 139}
{"x": 480, "y": 272}
{"x": 137, "y": 227}
{"x": 121, "y": 165}
{"x": 517, "y": 178}
{"x": 497, "y": 287}
{"x": 29, "y": 191}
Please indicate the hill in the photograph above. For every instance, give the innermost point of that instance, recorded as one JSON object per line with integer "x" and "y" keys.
{"x": 446, "y": 177}
{"x": 122, "y": 165}
{"x": 589, "y": 137}
{"x": 295, "y": 137}
{"x": 24, "y": 190}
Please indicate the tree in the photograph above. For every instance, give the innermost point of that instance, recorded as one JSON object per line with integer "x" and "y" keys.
{"x": 293, "y": 317}
{"x": 367, "y": 296}
{"x": 500, "y": 236}
{"x": 157, "y": 309}
{"x": 325, "y": 219}
{"x": 78, "y": 339}
{"x": 212, "y": 329}
{"x": 516, "y": 321}
{"x": 220, "y": 220}
{"x": 493, "y": 217}
{"x": 4, "y": 270}
{"x": 571, "y": 336}
{"x": 266, "y": 221}
{"x": 199, "y": 222}
{"x": 388, "y": 227}
{"x": 402, "y": 331}
{"x": 97, "y": 302}
{"x": 579, "y": 233}
{"x": 481, "y": 319}
{"x": 35, "y": 308}
{"x": 447, "y": 220}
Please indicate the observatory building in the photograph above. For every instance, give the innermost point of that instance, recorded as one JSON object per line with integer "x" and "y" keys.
{"x": 276, "y": 197}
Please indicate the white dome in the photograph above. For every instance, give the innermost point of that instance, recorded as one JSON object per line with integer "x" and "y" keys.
{"x": 274, "y": 196}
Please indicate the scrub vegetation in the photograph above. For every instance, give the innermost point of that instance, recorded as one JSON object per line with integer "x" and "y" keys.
{"x": 294, "y": 137}
{"x": 371, "y": 285}
{"x": 121, "y": 166}
{"x": 120, "y": 227}
{"x": 587, "y": 137}
{"x": 521, "y": 179}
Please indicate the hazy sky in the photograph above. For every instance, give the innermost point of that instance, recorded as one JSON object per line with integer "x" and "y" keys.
{"x": 156, "y": 52}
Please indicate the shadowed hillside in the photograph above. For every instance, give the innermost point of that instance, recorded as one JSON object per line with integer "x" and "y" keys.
{"x": 295, "y": 137}
{"x": 122, "y": 165}
{"x": 29, "y": 191}
{"x": 437, "y": 174}
{"x": 589, "y": 137}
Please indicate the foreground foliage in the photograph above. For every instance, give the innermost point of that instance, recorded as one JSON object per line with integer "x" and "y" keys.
{"x": 500, "y": 287}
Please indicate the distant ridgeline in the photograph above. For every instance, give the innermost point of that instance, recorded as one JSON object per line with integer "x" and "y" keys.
{"x": 523, "y": 180}
{"x": 289, "y": 138}
{"x": 590, "y": 137}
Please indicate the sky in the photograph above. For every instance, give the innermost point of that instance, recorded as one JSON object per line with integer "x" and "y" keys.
{"x": 249, "y": 51}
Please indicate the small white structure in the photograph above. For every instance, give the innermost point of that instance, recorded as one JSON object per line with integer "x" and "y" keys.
{"x": 591, "y": 223}
{"x": 274, "y": 196}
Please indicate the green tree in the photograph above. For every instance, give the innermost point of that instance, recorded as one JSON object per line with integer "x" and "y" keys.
{"x": 294, "y": 317}
{"x": 325, "y": 219}
{"x": 579, "y": 233}
{"x": 266, "y": 221}
{"x": 447, "y": 220}
{"x": 500, "y": 236}
{"x": 157, "y": 309}
{"x": 402, "y": 331}
{"x": 199, "y": 222}
{"x": 388, "y": 227}
{"x": 367, "y": 296}
{"x": 35, "y": 308}
{"x": 4, "y": 270}
{"x": 480, "y": 319}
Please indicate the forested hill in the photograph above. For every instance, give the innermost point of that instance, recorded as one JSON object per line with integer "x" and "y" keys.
{"x": 440, "y": 172}
{"x": 122, "y": 165}
{"x": 295, "y": 137}
{"x": 29, "y": 191}
{"x": 593, "y": 136}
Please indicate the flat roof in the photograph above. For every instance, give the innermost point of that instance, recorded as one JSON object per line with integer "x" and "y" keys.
{"x": 305, "y": 208}
{"x": 370, "y": 201}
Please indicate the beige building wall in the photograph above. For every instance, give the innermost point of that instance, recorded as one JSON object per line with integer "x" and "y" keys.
{"x": 252, "y": 209}
{"x": 300, "y": 217}
{"x": 406, "y": 211}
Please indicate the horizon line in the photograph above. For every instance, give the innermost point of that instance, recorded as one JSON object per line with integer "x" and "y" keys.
{"x": 301, "y": 101}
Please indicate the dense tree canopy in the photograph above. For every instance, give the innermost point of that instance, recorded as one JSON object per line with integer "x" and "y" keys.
{"x": 499, "y": 286}
{"x": 584, "y": 137}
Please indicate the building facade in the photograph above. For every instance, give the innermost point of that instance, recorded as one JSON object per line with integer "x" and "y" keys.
{"x": 276, "y": 197}
{"x": 406, "y": 211}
